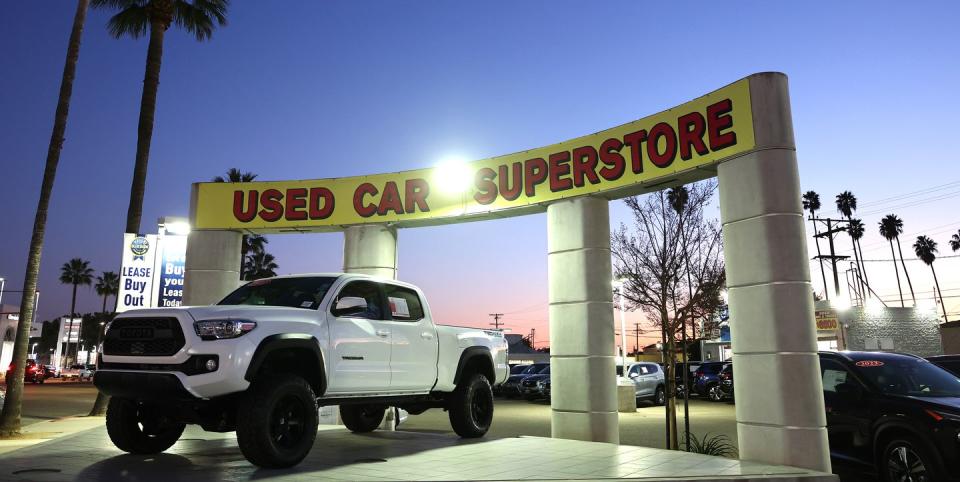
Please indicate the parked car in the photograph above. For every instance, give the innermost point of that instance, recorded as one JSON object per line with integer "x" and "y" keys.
{"x": 950, "y": 363}
{"x": 726, "y": 383}
{"x": 514, "y": 370}
{"x": 261, "y": 360}
{"x": 691, "y": 367}
{"x": 86, "y": 373}
{"x": 511, "y": 387}
{"x": 32, "y": 372}
{"x": 74, "y": 371}
{"x": 530, "y": 386}
{"x": 545, "y": 387}
{"x": 707, "y": 378}
{"x": 648, "y": 382}
{"x": 52, "y": 371}
{"x": 897, "y": 413}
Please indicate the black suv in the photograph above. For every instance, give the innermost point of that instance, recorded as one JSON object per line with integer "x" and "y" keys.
{"x": 950, "y": 363}
{"x": 898, "y": 413}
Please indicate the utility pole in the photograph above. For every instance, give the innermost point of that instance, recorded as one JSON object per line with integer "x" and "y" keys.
{"x": 496, "y": 320}
{"x": 636, "y": 351}
{"x": 831, "y": 230}
{"x": 533, "y": 332}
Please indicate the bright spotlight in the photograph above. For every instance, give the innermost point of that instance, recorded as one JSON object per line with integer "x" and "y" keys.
{"x": 874, "y": 306}
{"x": 927, "y": 306}
{"x": 453, "y": 176}
{"x": 179, "y": 227}
{"x": 840, "y": 303}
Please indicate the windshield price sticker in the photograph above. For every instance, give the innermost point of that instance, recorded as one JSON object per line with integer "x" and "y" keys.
{"x": 870, "y": 363}
{"x": 398, "y": 307}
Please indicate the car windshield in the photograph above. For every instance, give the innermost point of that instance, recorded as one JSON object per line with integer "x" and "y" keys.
{"x": 711, "y": 367}
{"x": 518, "y": 369}
{"x": 908, "y": 376}
{"x": 545, "y": 371}
{"x": 299, "y": 292}
{"x": 533, "y": 369}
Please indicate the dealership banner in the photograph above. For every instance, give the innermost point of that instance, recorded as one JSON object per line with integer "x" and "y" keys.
{"x": 171, "y": 254}
{"x": 620, "y": 161}
{"x": 137, "y": 272}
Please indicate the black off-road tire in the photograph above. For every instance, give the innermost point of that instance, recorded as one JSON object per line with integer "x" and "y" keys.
{"x": 911, "y": 447}
{"x": 277, "y": 421}
{"x": 140, "y": 428}
{"x": 362, "y": 418}
{"x": 471, "y": 406}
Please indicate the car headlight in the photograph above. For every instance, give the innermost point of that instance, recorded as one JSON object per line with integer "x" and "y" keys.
{"x": 222, "y": 329}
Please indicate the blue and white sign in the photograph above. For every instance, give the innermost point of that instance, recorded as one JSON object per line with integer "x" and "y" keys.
{"x": 137, "y": 272}
{"x": 169, "y": 269}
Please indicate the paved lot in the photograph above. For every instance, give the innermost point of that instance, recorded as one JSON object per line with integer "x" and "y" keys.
{"x": 55, "y": 399}
{"x": 645, "y": 428}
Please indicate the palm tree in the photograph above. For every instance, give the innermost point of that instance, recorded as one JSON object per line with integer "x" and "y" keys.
{"x": 811, "y": 202}
{"x": 108, "y": 284}
{"x": 234, "y": 175}
{"x": 260, "y": 265}
{"x": 926, "y": 250}
{"x": 847, "y": 205}
{"x": 890, "y": 227}
{"x": 899, "y": 224}
{"x": 955, "y": 241}
{"x": 75, "y": 272}
{"x": 136, "y": 18}
{"x": 250, "y": 243}
{"x": 856, "y": 230}
{"x": 10, "y": 416}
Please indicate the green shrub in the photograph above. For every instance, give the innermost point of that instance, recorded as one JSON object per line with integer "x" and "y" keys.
{"x": 717, "y": 445}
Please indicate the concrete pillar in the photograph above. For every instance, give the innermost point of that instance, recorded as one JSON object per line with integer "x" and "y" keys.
{"x": 780, "y": 413}
{"x": 212, "y": 266}
{"x": 370, "y": 249}
{"x": 583, "y": 368}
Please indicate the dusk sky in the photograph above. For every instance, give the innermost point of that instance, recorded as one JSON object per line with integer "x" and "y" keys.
{"x": 295, "y": 90}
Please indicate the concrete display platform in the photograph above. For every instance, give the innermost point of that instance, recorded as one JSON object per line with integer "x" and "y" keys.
{"x": 340, "y": 455}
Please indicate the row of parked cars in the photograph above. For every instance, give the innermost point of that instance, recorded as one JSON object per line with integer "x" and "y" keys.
{"x": 37, "y": 373}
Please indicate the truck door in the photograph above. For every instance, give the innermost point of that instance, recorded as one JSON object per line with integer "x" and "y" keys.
{"x": 359, "y": 340}
{"x": 413, "y": 357}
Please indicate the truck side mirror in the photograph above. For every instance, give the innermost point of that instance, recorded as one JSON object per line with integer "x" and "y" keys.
{"x": 350, "y": 305}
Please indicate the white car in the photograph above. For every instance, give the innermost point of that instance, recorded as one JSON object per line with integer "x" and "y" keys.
{"x": 262, "y": 360}
{"x": 648, "y": 381}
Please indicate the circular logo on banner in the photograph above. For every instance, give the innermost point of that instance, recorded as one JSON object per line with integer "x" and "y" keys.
{"x": 139, "y": 246}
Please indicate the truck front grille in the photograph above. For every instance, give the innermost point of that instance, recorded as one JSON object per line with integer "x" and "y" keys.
{"x": 143, "y": 337}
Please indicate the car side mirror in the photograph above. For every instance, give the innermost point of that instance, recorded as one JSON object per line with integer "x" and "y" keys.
{"x": 350, "y": 305}
{"x": 849, "y": 391}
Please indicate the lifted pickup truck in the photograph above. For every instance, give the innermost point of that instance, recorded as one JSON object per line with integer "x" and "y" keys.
{"x": 261, "y": 361}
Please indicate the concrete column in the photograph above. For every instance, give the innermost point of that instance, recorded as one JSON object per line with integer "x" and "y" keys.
{"x": 371, "y": 250}
{"x": 780, "y": 413}
{"x": 212, "y": 266}
{"x": 583, "y": 368}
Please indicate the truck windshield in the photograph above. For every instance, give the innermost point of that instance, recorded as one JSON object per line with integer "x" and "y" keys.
{"x": 300, "y": 292}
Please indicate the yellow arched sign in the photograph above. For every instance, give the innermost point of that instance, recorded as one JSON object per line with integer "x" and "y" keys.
{"x": 677, "y": 144}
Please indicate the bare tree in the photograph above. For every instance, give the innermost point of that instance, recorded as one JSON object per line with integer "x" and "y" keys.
{"x": 649, "y": 256}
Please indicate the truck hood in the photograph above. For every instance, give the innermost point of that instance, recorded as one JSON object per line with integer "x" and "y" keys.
{"x": 250, "y": 312}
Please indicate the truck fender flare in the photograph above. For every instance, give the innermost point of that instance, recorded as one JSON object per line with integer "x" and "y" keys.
{"x": 285, "y": 341}
{"x": 480, "y": 353}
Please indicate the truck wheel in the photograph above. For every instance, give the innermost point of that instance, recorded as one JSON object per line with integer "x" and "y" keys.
{"x": 277, "y": 421}
{"x": 140, "y": 428}
{"x": 362, "y": 418}
{"x": 471, "y": 407}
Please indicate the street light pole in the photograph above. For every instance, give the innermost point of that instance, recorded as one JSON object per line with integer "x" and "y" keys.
{"x": 618, "y": 287}
{"x": 2, "y": 284}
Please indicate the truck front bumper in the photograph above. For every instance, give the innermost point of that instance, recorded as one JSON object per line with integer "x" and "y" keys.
{"x": 144, "y": 386}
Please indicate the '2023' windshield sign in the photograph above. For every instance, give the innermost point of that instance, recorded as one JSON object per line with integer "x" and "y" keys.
{"x": 619, "y": 161}
{"x": 869, "y": 363}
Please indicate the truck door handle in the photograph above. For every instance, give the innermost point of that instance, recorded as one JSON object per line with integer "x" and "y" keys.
{"x": 426, "y": 335}
{"x": 383, "y": 333}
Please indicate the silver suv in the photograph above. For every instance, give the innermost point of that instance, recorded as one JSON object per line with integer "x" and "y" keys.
{"x": 648, "y": 382}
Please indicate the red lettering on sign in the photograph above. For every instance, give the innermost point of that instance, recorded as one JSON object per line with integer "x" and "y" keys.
{"x": 585, "y": 165}
{"x": 415, "y": 195}
{"x": 509, "y": 192}
{"x": 665, "y": 158}
{"x": 296, "y": 201}
{"x": 691, "y": 129}
{"x": 390, "y": 201}
{"x": 717, "y": 121}
{"x": 317, "y": 209}
{"x": 635, "y": 141}
{"x": 535, "y": 172}
{"x": 486, "y": 189}
{"x": 272, "y": 208}
{"x": 245, "y": 215}
{"x": 559, "y": 168}
{"x": 610, "y": 156}
{"x": 364, "y": 210}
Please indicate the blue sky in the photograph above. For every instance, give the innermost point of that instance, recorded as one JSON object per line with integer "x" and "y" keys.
{"x": 324, "y": 89}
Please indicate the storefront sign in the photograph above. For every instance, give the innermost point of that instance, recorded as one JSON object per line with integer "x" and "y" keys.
{"x": 616, "y": 162}
{"x": 826, "y": 320}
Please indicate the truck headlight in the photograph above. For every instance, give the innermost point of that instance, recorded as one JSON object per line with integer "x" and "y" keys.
{"x": 221, "y": 329}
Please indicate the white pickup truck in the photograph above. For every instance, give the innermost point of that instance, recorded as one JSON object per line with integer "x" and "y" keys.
{"x": 262, "y": 360}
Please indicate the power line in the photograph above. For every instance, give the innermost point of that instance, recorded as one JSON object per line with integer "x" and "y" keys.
{"x": 910, "y": 194}
{"x": 496, "y": 320}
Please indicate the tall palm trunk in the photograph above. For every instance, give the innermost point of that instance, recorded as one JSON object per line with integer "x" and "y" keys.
{"x": 73, "y": 314}
{"x": 902, "y": 262}
{"x": 10, "y": 416}
{"x": 866, "y": 280}
{"x": 104, "y": 309}
{"x": 148, "y": 106}
{"x": 944, "y": 308}
{"x": 895, "y": 270}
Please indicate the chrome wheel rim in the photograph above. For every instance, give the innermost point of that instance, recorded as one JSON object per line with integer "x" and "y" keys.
{"x": 905, "y": 465}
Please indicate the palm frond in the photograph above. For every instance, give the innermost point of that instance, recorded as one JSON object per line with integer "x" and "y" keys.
{"x": 200, "y": 17}
{"x": 133, "y": 21}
